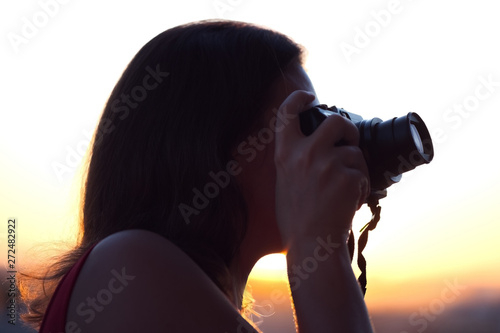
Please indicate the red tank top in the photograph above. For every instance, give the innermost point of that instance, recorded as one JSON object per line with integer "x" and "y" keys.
{"x": 54, "y": 320}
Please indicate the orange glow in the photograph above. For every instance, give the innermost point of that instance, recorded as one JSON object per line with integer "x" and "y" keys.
{"x": 270, "y": 267}
{"x": 439, "y": 225}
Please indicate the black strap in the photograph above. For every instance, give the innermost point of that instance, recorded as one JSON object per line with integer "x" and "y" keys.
{"x": 373, "y": 203}
{"x": 350, "y": 245}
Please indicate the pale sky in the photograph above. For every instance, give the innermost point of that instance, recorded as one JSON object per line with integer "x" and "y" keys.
{"x": 382, "y": 59}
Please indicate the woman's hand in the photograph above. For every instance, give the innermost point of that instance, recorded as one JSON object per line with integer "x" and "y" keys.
{"x": 320, "y": 184}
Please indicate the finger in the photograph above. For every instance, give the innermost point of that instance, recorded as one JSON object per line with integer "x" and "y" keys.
{"x": 336, "y": 129}
{"x": 352, "y": 158}
{"x": 287, "y": 121}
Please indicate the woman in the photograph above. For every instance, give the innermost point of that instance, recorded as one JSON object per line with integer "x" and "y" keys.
{"x": 198, "y": 168}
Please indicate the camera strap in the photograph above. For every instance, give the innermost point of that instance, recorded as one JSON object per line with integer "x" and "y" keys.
{"x": 373, "y": 203}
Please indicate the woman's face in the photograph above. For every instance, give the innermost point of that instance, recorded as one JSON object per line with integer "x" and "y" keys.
{"x": 258, "y": 175}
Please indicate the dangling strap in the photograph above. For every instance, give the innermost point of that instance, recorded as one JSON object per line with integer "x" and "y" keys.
{"x": 373, "y": 203}
{"x": 350, "y": 245}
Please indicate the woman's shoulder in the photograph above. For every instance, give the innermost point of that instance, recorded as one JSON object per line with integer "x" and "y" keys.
{"x": 139, "y": 251}
{"x": 137, "y": 244}
{"x": 137, "y": 280}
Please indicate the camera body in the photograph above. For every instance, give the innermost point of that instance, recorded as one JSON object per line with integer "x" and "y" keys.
{"x": 390, "y": 148}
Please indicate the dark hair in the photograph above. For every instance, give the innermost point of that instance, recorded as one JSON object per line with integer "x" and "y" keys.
{"x": 182, "y": 105}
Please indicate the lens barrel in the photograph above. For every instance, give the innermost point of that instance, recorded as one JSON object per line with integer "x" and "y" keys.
{"x": 394, "y": 147}
{"x": 390, "y": 147}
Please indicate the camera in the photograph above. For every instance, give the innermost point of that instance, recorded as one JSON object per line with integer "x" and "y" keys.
{"x": 390, "y": 147}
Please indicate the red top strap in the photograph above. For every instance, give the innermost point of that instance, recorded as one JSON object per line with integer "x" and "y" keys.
{"x": 54, "y": 320}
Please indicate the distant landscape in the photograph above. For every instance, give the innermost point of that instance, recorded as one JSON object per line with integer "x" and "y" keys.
{"x": 478, "y": 313}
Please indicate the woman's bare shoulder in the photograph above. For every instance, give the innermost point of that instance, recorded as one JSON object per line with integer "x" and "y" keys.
{"x": 131, "y": 245}
{"x": 137, "y": 280}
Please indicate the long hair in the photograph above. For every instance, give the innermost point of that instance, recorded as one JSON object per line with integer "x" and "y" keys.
{"x": 172, "y": 122}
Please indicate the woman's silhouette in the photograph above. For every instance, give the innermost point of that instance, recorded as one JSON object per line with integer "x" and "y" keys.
{"x": 197, "y": 169}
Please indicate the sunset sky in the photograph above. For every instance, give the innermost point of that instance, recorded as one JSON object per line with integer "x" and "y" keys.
{"x": 383, "y": 59}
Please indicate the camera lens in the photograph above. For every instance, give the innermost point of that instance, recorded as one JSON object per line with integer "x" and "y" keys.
{"x": 416, "y": 138}
{"x": 390, "y": 147}
{"x": 394, "y": 147}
